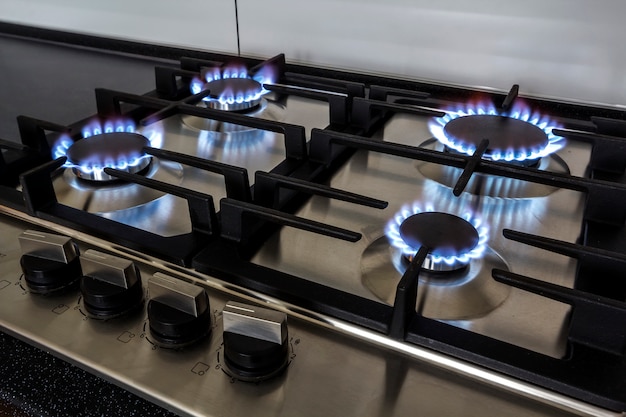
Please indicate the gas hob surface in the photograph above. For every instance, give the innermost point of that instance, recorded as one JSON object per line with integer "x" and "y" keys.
{"x": 280, "y": 234}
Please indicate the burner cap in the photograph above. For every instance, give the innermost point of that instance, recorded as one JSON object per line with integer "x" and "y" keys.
{"x": 234, "y": 94}
{"x": 509, "y": 138}
{"x": 119, "y": 150}
{"x": 448, "y": 237}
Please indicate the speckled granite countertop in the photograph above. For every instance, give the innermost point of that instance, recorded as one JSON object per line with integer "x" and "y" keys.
{"x": 35, "y": 383}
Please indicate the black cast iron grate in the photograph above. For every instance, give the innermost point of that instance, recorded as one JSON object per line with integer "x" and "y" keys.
{"x": 594, "y": 369}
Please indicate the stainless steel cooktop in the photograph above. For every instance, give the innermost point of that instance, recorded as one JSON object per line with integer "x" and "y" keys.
{"x": 332, "y": 271}
{"x": 191, "y": 381}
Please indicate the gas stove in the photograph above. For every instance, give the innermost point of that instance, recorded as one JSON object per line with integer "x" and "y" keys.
{"x": 254, "y": 236}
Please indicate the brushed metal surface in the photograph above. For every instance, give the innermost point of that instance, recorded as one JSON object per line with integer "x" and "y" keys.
{"x": 334, "y": 369}
{"x": 47, "y": 245}
{"x": 260, "y": 323}
{"x": 108, "y": 268}
{"x": 183, "y": 296}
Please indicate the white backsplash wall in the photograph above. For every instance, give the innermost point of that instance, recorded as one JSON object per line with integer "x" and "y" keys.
{"x": 570, "y": 49}
{"x": 563, "y": 48}
{"x": 198, "y": 24}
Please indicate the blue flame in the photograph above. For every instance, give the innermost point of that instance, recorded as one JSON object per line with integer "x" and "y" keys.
{"x": 265, "y": 75}
{"x": 120, "y": 164}
{"x": 61, "y": 146}
{"x": 392, "y": 231}
{"x": 519, "y": 111}
{"x": 96, "y": 127}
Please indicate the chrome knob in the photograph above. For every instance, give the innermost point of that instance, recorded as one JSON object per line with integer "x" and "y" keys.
{"x": 178, "y": 312}
{"x": 50, "y": 262}
{"x": 110, "y": 286}
{"x": 255, "y": 341}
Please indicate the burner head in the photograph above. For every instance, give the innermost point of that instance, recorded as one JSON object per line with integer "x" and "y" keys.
{"x": 520, "y": 135}
{"x": 509, "y": 139}
{"x": 233, "y": 94}
{"x": 449, "y": 238}
{"x": 120, "y": 150}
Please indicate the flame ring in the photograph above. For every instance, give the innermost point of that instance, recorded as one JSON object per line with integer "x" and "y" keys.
{"x": 392, "y": 231}
{"x": 520, "y": 112}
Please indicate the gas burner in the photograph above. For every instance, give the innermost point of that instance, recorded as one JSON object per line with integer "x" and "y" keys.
{"x": 506, "y": 136}
{"x": 517, "y": 136}
{"x": 453, "y": 241}
{"x": 232, "y": 88}
{"x": 108, "y": 144}
{"x": 455, "y": 279}
{"x": 233, "y": 94}
{"x": 456, "y": 295}
{"x": 120, "y": 150}
{"x": 449, "y": 237}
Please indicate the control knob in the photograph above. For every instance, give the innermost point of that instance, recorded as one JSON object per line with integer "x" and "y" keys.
{"x": 255, "y": 341}
{"x": 178, "y": 312}
{"x": 50, "y": 262}
{"x": 110, "y": 286}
